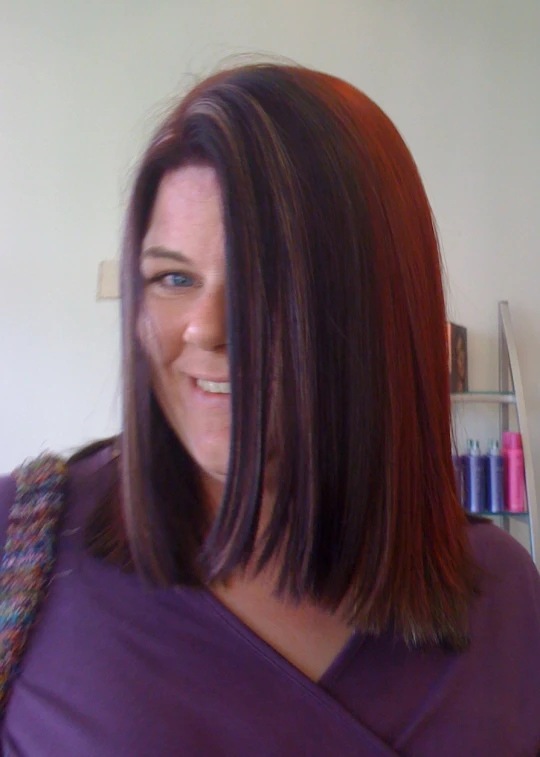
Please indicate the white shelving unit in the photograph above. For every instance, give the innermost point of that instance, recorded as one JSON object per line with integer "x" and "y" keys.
{"x": 511, "y": 394}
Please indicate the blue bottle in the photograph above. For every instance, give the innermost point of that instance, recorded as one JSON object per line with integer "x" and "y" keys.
{"x": 474, "y": 475}
{"x": 494, "y": 463}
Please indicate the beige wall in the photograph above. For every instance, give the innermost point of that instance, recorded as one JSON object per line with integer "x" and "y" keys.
{"x": 81, "y": 84}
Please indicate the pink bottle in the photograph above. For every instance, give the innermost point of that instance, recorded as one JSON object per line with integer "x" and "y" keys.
{"x": 514, "y": 472}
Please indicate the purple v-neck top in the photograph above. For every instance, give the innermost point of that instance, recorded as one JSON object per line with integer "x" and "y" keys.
{"x": 117, "y": 669}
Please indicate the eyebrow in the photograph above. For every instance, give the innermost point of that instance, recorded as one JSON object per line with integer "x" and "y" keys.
{"x": 162, "y": 253}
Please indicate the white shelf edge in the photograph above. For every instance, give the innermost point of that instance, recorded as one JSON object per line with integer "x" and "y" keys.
{"x": 495, "y": 398}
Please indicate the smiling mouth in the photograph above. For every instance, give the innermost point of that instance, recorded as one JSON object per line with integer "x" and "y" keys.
{"x": 214, "y": 387}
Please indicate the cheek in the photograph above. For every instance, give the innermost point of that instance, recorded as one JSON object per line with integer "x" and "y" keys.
{"x": 160, "y": 337}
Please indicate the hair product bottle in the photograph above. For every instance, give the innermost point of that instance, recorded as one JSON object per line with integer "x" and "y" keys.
{"x": 474, "y": 471}
{"x": 514, "y": 472}
{"x": 458, "y": 473}
{"x": 494, "y": 462}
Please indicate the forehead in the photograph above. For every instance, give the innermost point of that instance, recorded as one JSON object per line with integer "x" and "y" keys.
{"x": 187, "y": 208}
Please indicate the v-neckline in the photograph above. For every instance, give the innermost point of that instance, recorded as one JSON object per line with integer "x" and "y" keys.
{"x": 335, "y": 669}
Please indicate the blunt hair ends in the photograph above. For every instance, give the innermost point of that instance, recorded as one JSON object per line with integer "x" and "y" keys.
{"x": 336, "y": 337}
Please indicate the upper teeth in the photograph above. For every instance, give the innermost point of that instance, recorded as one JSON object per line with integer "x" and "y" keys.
{"x": 217, "y": 387}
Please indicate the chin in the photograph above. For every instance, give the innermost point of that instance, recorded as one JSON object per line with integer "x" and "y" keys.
{"x": 211, "y": 461}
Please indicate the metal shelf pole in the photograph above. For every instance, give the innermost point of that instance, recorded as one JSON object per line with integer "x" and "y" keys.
{"x": 509, "y": 370}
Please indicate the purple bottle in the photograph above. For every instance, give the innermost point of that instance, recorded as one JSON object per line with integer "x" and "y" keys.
{"x": 494, "y": 462}
{"x": 474, "y": 475}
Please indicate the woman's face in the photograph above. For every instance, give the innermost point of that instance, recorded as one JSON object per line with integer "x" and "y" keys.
{"x": 182, "y": 325}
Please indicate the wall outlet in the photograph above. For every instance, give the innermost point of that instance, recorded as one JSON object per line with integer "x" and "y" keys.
{"x": 108, "y": 280}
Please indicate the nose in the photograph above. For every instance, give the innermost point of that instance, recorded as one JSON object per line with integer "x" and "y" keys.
{"x": 206, "y": 327}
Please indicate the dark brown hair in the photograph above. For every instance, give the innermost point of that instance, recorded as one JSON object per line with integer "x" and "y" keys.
{"x": 336, "y": 323}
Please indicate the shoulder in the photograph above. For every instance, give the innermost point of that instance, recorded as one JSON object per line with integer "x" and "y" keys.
{"x": 499, "y": 553}
{"x": 91, "y": 469}
{"x": 90, "y": 475}
{"x": 509, "y": 579}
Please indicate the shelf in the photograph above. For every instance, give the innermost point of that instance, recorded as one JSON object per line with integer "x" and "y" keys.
{"x": 509, "y": 400}
{"x": 498, "y": 398}
{"x": 504, "y": 514}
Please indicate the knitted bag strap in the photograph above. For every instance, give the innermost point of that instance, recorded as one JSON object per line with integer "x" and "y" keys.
{"x": 28, "y": 559}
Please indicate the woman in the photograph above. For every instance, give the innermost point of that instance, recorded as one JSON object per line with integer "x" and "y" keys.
{"x": 272, "y": 559}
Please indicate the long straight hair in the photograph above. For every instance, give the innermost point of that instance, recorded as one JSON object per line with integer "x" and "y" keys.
{"x": 337, "y": 353}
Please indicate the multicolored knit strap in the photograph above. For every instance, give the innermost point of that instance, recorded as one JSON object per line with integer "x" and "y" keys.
{"x": 28, "y": 559}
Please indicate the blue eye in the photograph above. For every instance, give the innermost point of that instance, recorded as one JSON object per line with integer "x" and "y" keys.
{"x": 171, "y": 280}
{"x": 176, "y": 280}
